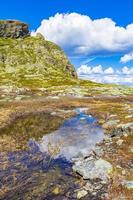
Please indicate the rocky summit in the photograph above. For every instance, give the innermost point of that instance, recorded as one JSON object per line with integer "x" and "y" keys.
{"x": 13, "y": 29}
{"x": 30, "y": 61}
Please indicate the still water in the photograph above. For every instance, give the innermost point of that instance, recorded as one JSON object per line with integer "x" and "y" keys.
{"x": 75, "y": 138}
{"x": 44, "y": 169}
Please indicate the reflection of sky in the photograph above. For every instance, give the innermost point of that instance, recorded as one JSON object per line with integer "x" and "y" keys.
{"x": 75, "y": 137}
{"x": 114, "y": 78}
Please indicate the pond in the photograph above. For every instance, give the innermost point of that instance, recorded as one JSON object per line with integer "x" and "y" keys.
{"x": 75, "y": 137}
{"x": 44, "y": 170}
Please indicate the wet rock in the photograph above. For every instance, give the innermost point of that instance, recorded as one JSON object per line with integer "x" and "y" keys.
{"x": 93, "y": 169}
{"x": 81, "y": 193}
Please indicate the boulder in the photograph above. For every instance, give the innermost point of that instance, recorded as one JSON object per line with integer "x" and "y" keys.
{"x": 93, "y": 169}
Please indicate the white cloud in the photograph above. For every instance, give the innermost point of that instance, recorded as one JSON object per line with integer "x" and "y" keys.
{"x": 80, "y": 35}
{"x": 84, "y": 69}
{"x": 108, "y": 75}
{"x": 109, "y": 70}
{"x": 33, "y": 33}
{"x": 126, "y": 70}
{"x": 97, "y": 70}
{"x": 127, "y": 58}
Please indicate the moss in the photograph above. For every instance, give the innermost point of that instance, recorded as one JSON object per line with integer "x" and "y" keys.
{"x": 32, "y": 56}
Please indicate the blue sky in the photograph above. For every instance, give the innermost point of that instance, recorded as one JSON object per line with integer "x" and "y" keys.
{"x": 94, "y": 41}
{"x": 33, "y": 11}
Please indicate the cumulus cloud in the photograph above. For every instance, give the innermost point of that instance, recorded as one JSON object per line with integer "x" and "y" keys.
{"x": 80, "y": 35}
{"x": 108, "y": 75}
{"x": 85, "y": 69}
{"x": 109, "y": 70}
{"x": 127, "y": 58}
{"x": 97, "y": 70}
{"x": 126, "y": 70}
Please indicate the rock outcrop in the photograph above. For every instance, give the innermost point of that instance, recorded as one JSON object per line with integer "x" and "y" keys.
{"x": 13, "y": 29}
{"x": 30, "y": 61}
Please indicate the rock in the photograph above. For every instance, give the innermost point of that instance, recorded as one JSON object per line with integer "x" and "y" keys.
{"x": 99, "y": 151}
{"x": 123, "y": 129}
{"x": 126, "y": 126}
{"x": 89, "y": 187}
{"x": 119, "y": 142}
{"x": 13, "y": 29}
{"x": 128, "y": 184}
{"x": 110, "y": 123}
{"x": 81, "y": 194}
{"x": 93, "y": 169}
{"x": 32, "y": 62}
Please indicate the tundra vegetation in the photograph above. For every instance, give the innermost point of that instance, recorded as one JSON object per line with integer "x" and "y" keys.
{"x": 39, "y": 90}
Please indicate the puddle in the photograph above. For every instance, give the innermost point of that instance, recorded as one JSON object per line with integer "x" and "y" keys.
{"x": 75, "y": 138}
{"x": 34, "y": 173}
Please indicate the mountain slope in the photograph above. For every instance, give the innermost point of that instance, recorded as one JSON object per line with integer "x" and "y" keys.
{"x": 32, "y": 62}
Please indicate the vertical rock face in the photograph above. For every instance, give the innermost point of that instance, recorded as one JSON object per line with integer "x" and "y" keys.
{"x": 13, "y": 29}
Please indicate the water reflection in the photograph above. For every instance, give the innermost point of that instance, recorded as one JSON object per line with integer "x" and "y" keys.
{"x": 76, "y": 137}
{"x": 34, "y": 173}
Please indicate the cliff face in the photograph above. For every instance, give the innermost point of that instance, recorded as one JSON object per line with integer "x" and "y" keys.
{"x": 32, "y": 61}
{"x": 13, "y": 29}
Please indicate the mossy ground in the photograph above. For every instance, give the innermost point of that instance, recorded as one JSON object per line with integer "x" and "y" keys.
{"x": 32, "y": 62}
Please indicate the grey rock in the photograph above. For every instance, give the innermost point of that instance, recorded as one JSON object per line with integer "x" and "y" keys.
{"x": 93, "y": 169}
{"x": 13, "y": 29}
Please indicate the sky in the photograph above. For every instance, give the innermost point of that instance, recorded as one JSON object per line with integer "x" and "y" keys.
{"x": 96, "y": 35}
